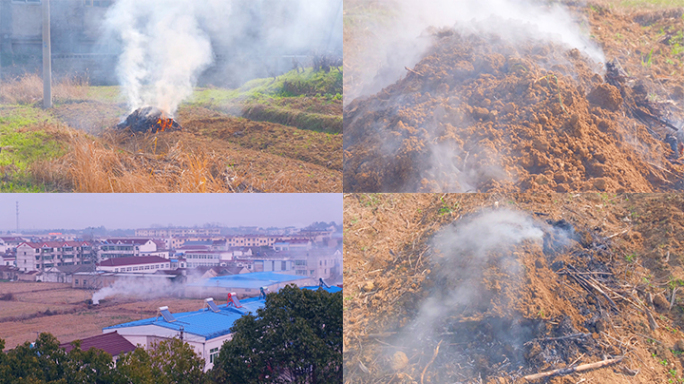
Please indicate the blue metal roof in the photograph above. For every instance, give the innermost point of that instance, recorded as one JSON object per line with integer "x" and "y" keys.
{"x": 253, "y": 280}
{"x": 331, "y": 289}
{"x": 204, "y": 322}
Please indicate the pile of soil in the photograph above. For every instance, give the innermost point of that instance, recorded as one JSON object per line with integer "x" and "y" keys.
{"x": 604, "y": 285}
{"x": 478, "y": 113}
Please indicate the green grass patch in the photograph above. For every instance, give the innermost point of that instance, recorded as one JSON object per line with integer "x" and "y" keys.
{"x": 293, "y": 83}
{"x": 359, "y": 13}
{"x": 105, "y": 93}
{"x": 302, "y": 120}
{"x": 663, "y": 4}
{"x": 23, "y": 143}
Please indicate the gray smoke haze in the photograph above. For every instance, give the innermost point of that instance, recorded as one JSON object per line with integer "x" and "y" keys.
{"x": 460, "y": 171}
{"x": 402, "y": 41}
{"x": 168, "y": 46}
{"x": 140, "y": 288}
{"x": 463, "y": 252}
{"x": 464, "y": 248}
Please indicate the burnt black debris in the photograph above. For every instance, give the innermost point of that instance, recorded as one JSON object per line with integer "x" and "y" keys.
{"x": 651, "y": 113}
{"x": 149, "y": 119}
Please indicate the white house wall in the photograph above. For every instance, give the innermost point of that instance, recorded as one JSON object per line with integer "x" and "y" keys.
{"x": 146, "y": 335}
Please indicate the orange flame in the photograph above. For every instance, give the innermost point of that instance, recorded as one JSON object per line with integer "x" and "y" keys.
{"x": 164, "y": 124}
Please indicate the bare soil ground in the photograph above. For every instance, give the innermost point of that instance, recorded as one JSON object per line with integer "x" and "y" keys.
{"x": 611, "y": 292}
{"x": 64, "y": 311}
{"x": 216, "y": 152}
{"x": 480, "y": 114}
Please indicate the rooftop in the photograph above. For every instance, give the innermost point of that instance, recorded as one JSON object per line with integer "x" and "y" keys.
{"x": 133, "y": 260}
{"x": 204, "y": 322}
{"x": 331, "y": 289}
{"x": 253, "y": 280}
{"x": 112, "y": 343}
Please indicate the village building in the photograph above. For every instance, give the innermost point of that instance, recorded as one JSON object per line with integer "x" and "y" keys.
{"x": 206, "y": 329}
{"x": 39, "y": 256}
{"x": 139, "y": 264}
{"x": 125, "y": 247}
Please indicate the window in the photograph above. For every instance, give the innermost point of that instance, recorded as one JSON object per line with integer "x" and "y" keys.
{"x": 283, "y": 265}
{"x": 213, "y": 354}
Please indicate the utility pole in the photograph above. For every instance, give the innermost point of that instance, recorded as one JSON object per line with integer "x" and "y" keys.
{"x": 47, "y": 57}
{"x": 17, "y": 217}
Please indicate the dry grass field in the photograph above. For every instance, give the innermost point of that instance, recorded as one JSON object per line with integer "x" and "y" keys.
{"x": 64, "y": 312}
{"x": 284, "y": 142}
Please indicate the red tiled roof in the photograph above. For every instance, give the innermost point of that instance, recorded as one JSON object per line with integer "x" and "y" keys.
{"x": 112, "y": 343}
{"x": 134, "y": 260}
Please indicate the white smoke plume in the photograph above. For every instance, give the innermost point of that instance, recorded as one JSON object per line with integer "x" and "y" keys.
{"x": 400, "y": 42}
{"x": 140, "y": 288}
{"x": 464, "y": 248}
{"x": 164, "y": 50}
{"x": 167, "y": 45}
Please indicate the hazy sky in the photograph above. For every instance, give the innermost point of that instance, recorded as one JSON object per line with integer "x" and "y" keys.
{"x": 123, "y": 211}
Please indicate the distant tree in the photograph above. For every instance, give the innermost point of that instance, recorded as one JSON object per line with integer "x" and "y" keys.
{"x": 170, "y": 361}
{"x": 295, "y": 338}
{"x": 40, "y": 362}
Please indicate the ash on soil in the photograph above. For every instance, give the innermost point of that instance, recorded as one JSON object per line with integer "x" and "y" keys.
{"x": 549, "y": 314}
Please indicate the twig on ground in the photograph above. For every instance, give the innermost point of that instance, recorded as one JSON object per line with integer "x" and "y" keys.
{"x": 434, "y": 356}
{"x": 568, "y": 371}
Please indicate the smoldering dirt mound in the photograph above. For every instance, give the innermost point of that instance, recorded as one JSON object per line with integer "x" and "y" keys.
{"x": 596, "y": 287}
{"x": 479, "y": 114}
{"x": 506, "y": 315}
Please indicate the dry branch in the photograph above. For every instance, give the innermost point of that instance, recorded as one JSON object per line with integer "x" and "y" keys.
{"x": 568, "y": 371}
{"x": 422, "y": 376}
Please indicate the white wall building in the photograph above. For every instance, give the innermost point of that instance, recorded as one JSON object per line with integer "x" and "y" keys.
{"x": 139, "y": 264}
